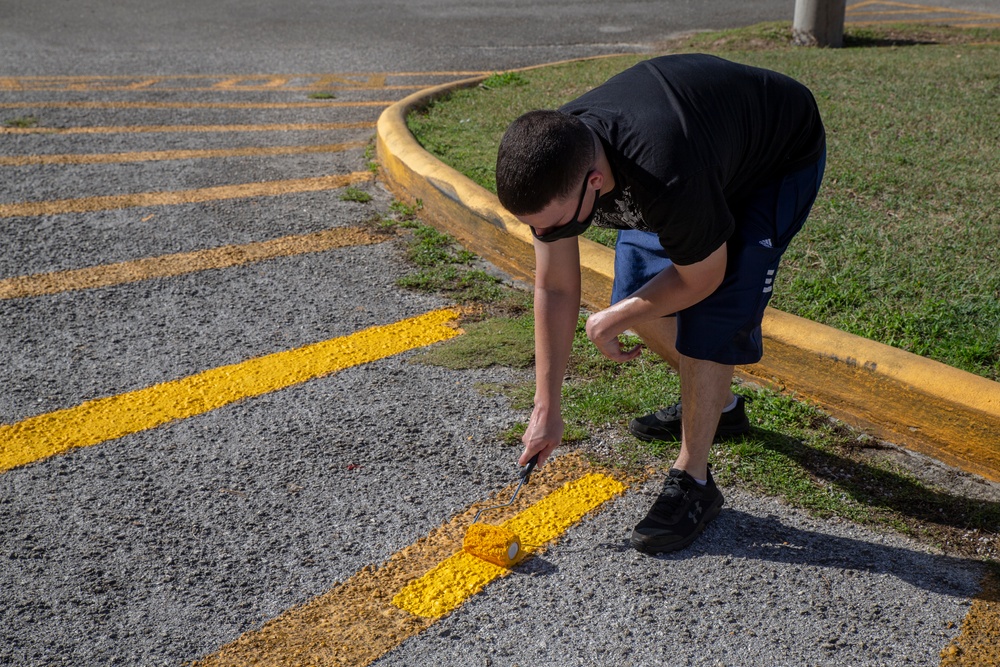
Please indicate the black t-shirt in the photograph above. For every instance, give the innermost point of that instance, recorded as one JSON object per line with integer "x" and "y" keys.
{"x": 689, "y": 137}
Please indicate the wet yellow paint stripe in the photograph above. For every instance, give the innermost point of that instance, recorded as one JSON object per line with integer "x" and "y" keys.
{"x": 180, "y": 129}
{"x": 243, "y": 190}
{"x": 356, "y": 622}
{"x": 154, "y": 156}
{"x": 447, "y": 586}
{"x": 164, "y": 266}
{"x": 114, "y": 417}
{"x": 193, "y": 105}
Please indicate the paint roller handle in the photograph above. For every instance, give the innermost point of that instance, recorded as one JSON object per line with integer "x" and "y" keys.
{"x": 526, "y": 470}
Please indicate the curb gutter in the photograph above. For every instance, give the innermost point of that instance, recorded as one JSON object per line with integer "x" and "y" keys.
{"x": 924, "y": 405}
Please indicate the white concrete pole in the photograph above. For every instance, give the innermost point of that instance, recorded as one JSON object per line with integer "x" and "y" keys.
{"x": 819, "y": 23}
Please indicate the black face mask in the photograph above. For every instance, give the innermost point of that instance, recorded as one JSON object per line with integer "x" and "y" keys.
{"x": 574, "y": 227}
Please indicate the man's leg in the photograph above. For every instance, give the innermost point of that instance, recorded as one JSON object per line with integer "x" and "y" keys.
{"x": 689, "y": 498}
{"x": 706, "y": 388}
{"x": 659, "y": 336}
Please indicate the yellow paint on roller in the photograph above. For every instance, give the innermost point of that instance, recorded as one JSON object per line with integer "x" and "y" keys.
{"x": 154, "y": 156}
{"x": 164, "y": 266}
{"x": 448, "y": 585}
{"x": 242, "y": 190}
{"x": 494, "y": 544}
{"x": 113, "y": 417}
{"x": 180, "y": 129}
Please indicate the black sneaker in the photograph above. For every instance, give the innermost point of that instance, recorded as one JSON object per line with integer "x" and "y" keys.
{"x": 665, "y": 424}
{"x": 680, "y": 513}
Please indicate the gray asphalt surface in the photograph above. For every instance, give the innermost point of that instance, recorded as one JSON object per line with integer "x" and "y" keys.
{"x": 162, "y": 546}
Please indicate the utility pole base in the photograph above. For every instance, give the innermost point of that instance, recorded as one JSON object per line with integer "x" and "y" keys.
{"x": 819, "y": 23}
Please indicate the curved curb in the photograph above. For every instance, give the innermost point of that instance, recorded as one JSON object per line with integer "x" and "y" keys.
{"x": 927, "y": 406}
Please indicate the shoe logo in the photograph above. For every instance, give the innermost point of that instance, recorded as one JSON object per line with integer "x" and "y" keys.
{"x": 695, "y": 512}
{"x": 766, "y": 243}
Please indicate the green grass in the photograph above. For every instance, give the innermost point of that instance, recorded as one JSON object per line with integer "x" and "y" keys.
{"x": 355, "y": 195}
{"x": 441, "y": 265}
{"x": 902, "y": 245}
{"x": 22, "y": 122}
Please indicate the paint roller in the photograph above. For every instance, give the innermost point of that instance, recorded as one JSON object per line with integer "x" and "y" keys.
{"x": 496, "y": 544}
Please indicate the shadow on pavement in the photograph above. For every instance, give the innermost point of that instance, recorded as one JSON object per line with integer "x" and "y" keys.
{"x": 911, "y": 498}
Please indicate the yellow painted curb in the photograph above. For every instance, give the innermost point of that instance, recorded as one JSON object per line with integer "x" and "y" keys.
{"x": 927, "y": 406}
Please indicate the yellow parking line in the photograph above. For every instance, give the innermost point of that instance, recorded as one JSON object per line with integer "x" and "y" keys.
{"x": 959, "y": 22}
{"x": 132, "y": 129}
{"x": 114, "y": 417}
{"x": 223, "y": 82}
{"x": 356, "y": 622}
{"x": 978, "y": 640}
{"x": 164, "y": 266}
{"x": 447, "y": 586}
{"x": 243, "y": 190}
{"x": 153, "y": 156}
{"x": 910, "y": 8}
{"x": 192, "y": 105}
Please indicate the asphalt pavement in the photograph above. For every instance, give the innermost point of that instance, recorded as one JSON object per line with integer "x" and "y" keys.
{"x": 171, "y": 495}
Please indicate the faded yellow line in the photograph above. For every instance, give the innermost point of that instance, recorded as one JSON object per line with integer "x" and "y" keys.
{"x": 452, "y": 582}
{"x": 114, "y": 417}
{"x": 909, "y": 8}
{"x": 890, "y": 12}
{"x": 216, "y": 88}
{"x": 153, "y": 156}
{"x": 164, "y": 266}
{"x": 355, "y": 622}
{"x": 192, "y": 105}
{"x": 978, "y": 640}
{"x": 225, "y": 81}
{"x": 134, "y": 129}
{"x": 243, "y": 190}
{"x": 959, "y": 22}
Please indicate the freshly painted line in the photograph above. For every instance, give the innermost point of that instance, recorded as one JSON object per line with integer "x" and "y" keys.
{"x": 164, "y": 266}
{"x": 447, "y": 586}
{"x": 192, "y": 105}
{"x": 355, "y": 622}
{"x": 180, "y": 129}
{"x": 153, "y": 156}
{"x": 114, "y": 417}
{"x": 243, "y": 190}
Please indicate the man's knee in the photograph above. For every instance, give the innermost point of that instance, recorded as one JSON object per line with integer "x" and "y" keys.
{"x": 660, "y": 336}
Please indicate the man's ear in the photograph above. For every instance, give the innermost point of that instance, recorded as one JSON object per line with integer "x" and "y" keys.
{"x": 596, "y": 179}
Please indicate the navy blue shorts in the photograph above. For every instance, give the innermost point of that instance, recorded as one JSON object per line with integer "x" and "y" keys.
{"x": 725, "y": 326}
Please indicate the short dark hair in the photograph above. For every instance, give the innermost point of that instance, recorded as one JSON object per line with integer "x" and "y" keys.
{"x": 542, "y": 157}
